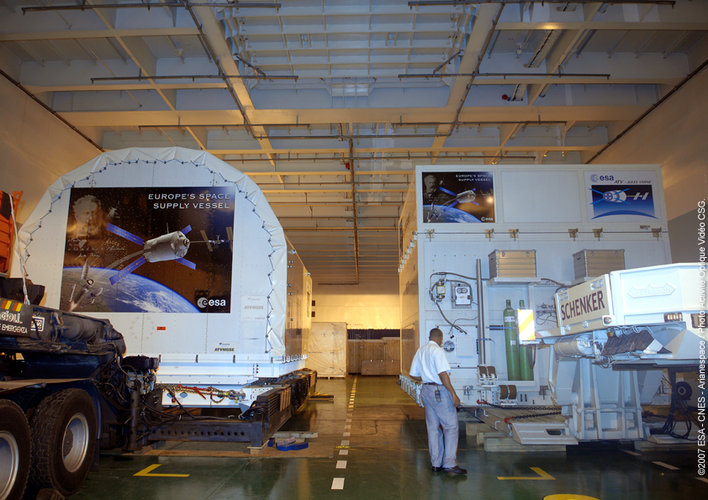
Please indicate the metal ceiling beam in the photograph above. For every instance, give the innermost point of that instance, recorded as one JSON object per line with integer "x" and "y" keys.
{"x": 332, "y": 203}
{"x": 145, "y": 62}
{"x": 286, "y": 190}
{"x": 149, "y": 5}
{"x": 555, "y": 75}
{"x": 560, "y": 51}
{"x": 479, "y": 39}
{"x": 353, "y": 115}
{"x": 688, "y": 25}
{"x": 394, "y": 125}
{"x": 665, "y": 78}
{"x": 92, "y": 34}
{"x": 483, "y": 150}
{"x": 355, "y": 214}
{"x": 190, "y": 77}
{"x": 211, "y": 36}
{"x": 341, "y": 228}
{"x": 359, "y": 172}
{"x": 425, "y": 3}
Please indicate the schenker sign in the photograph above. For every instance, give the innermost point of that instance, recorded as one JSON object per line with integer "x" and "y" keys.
{"x": 587, "y": 302}
{"x": 583, "y": 305}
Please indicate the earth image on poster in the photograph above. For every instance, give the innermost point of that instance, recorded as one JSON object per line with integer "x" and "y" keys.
{"x": 133, "y": 293}
{"x": 442, "y": 213}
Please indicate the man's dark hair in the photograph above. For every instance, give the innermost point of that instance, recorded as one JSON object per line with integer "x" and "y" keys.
{"x": 435, "y": 332}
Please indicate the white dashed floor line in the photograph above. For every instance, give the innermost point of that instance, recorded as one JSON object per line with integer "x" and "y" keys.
{"x": 338, "y": 482}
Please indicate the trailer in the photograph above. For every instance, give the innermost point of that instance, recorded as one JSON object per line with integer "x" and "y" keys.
{"x": 67, "y": 391}
{"x": 180, "y": 253}
{"x": 561, "y": 314}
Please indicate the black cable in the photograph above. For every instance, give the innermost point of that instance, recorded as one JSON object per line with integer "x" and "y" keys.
{"x": 453, "y": 325}
{"x": 444, "y": 273}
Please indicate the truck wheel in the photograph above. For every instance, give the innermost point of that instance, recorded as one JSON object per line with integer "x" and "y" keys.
{"x": 63, "y": 440}
{"x": 14, "y": 450}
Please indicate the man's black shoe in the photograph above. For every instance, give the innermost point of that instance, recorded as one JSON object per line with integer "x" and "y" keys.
{"x": 437, "y": 469}
{"x": 458, "y": 471}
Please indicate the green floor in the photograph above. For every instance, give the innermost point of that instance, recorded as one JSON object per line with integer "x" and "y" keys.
{"x": 372, "y": 444}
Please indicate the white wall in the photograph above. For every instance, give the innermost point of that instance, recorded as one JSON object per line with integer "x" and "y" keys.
{"x": 674, "y": 135}
{"x": 361, "y": 307}
{"x": 35, "y": 147}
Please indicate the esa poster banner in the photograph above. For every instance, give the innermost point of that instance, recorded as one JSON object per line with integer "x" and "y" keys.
{"x": 159, "y": 250}
{"x": 621, "y": 196}
{"x": 457, "y": 197}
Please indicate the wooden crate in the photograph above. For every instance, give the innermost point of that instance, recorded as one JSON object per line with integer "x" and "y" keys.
{"x": 392, "y": 348}
{"x": 354, "y": 356}
{"x": 327, "y": 349}
{"x": 392, "y": 367}
{"x": 373, "y": 367}
{"x": 373, "y": 350}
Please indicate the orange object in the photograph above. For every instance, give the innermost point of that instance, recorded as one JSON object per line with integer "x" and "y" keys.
{"x": 7, "y": 227}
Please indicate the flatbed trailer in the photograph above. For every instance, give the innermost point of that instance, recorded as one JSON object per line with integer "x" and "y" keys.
{"x": 67, "y": 392}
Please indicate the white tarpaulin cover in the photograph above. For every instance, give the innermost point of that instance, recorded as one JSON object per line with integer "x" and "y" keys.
{"x": 146, "y": 237}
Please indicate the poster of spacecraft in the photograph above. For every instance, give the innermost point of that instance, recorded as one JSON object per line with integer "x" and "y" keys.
{"x": 159, "y": 250}
{"x": 457, "y": 197}
{"x": 621, "y": 196}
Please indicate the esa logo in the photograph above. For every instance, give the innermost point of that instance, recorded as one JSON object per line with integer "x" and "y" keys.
{"x": 601, "y": 178}
{"x": 204, "y": 302}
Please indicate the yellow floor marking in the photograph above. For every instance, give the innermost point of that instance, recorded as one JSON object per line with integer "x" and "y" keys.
{"x": 564, "y": 496}
{"x": 146, "y": 472}
{"x": 542, "y": 476}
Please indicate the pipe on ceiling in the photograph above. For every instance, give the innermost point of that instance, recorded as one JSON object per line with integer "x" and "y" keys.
{"x": 147, "y": 5}
{"x": 192, "y": 77}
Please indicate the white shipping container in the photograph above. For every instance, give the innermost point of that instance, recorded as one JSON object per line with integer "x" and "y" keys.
{"x": 185, "y": 257}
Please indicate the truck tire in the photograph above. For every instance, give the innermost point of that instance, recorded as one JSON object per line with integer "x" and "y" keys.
{"x": 14, "y": 450}
{"x": 63, "y": 441}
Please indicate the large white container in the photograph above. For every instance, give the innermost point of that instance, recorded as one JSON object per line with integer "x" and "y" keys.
{"x": 457, "y": 215}
{"x": 183, "y": 254}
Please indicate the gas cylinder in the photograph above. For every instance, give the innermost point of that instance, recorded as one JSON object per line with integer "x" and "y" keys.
{"x": 525, "y": 355}
{"x": 511, "y": 341}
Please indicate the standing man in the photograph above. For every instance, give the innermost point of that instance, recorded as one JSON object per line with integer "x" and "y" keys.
{"x": 441, "y": 401}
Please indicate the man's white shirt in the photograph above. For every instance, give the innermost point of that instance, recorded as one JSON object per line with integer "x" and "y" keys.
{"x": 428, "y": 361}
